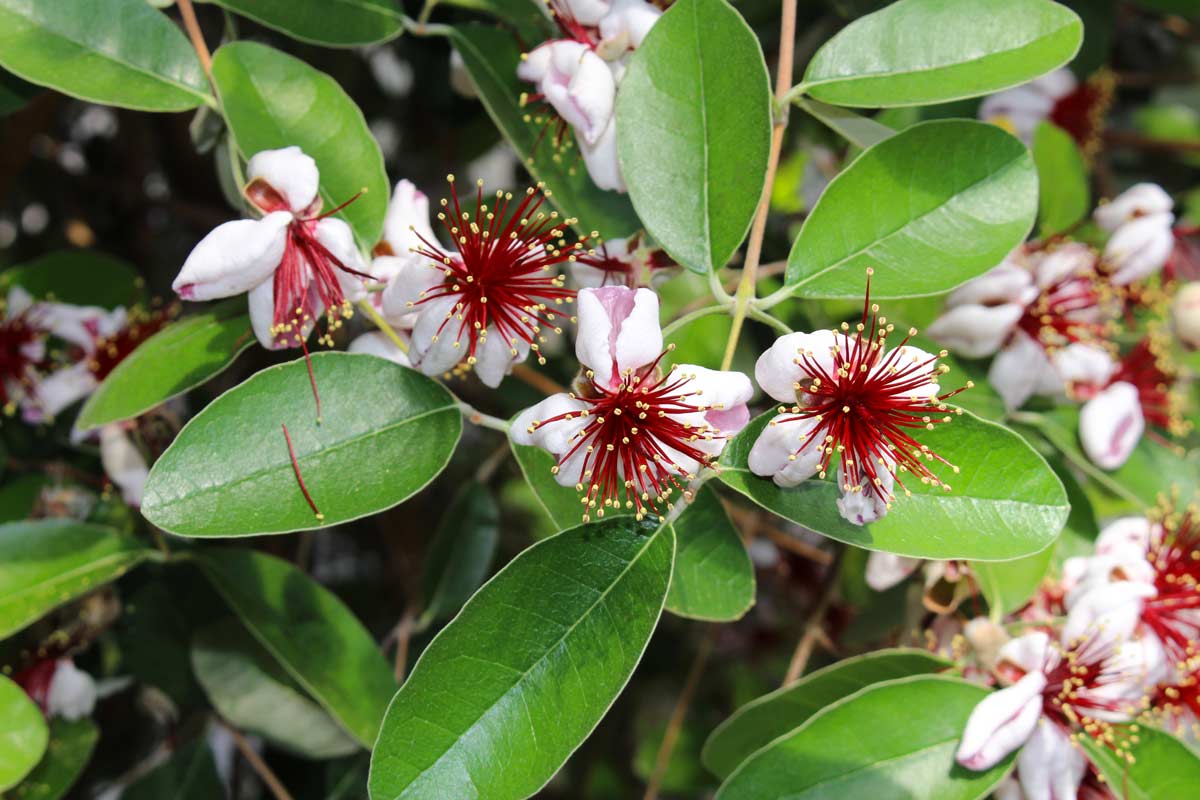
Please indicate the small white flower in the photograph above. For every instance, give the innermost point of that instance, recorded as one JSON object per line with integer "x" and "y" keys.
{"x": 1111, "y": 424}
{"x": 72, "y": 692}
{"x": 576, "y": 82}
{"x": 1021, "y": 109}
{"x": 1139, "y": 248}
{"x": 1140, "y": 200}
{"x": 123, "y": 463}
{"x": 885, "y": 570}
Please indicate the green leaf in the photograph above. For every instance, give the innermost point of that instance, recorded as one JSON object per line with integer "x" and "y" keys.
{"x": 228, "y": 472}
{"x": 255, "y": 694}
{"x": 526, "y": 16}
{"x": 1005, "y": 502}
{"x": 46, "y": 563}
{"x": 919, "y": 52}
{"x": 178, "y": 358}
{"x": 190, "y": 774}
{"x": 15, "y": 93}
{"x": 859, "y": 131}
{"x": 1064, "y": 198}
{"x": 68, "y": 752}
{"x": 19, "y": 495}
{"x": 561, "y": 503}
{"x": 336, "y": 23}
{"x": 849, "y": 749}
{"x": 513, "y": 685}
{"x": 273, "y": 100}
{"x": 461, "y": 552}
{"x": 491, "y": 57}
{"x": 1008, "y": 585}
{"x": 929, "y": 208}
{"x": 761, "y": 721}
{"x": 713, "y": 578}
{"x": 120, "y": 52}
{"x": 694, "y": 130}
{"x": 23, "y": 734}
{"x": 308, "y": 630}
{"x": 1162, "y": 765}
{"x": 81, "y": 277}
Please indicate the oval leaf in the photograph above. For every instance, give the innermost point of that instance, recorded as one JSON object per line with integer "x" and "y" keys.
{"x": 491, "y": 56}
{"x": 273, "y": 100}
{"x": 461, "y": 552}
{"x": 713, "y": 577}
{"x": 228, "y": 472}
{"x": 845, "y": 751}
{"x": 345, "y": 23}
{"x": 70, "y": 749}
{"x": 765, "y": 719}
{"x": 1005, "y": 502}
{"x": 81, "y": 277}
{"x": 23, "y": 734}
{"x": 1162, "y": 766}
{"x": 308, "y": 630}
{"x": 1063, "y": 195}
{"x": 46, "y": 563}
{"x": 257, "y": 696}
{"x": 562, "y": 503}
{"x": 1008, "y": 585}
{"x": 918, "y": 52}
{"x": 508, "y": 690}
{"x": 180, "y": 357}
{"x": 694, "y": 131}
{"x": 120, "y": 52}
{"x": 929, "y": 208}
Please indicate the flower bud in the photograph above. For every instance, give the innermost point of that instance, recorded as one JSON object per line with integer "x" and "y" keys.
{"x": 1185, "y": 314}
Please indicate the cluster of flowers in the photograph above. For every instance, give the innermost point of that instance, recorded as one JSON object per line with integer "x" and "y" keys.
{"x": 1124, "y": 656}
{"x": 1049, "y": 312}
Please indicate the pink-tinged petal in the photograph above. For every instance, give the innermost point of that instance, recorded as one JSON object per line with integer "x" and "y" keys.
{"x": 588, "y": 12}
{"x": 915, "y": 361}
{"x": 778, "y": 370}
{"x": 779, "y": 452}
{"x": 338, "y": 238}
{"x": 1065, "y": 261}
{"x": 292, "y": 175}
{"x": 377, "y": 343}
{"x": 1139, "y": 248}
{"x": 17, "y": 302}
{"x": 601, "y": 161}
{"x": 1111, "y": 424}
{"x": 412, "y": 277}
{"x": 234, "y": 258}
{"x": 80, "y": 325}
{"x": 975, "y": 331}
{"x": 1049, "y": 766}
{"x": 625, "y": 28}
{"x": 1022, "y": 655}
{"x": 885, "y": 570}
{"x": 1125, "y": 534}
{"x": 1185, "y": 314}
{"x": 576, "y": 82}
{"x": 1140, "y": 200}
{"x": 1025, "y": 101}
{"x": 557, "y": 438}
{"x": 1018, "y": 370}
{"x": 865, "y": 503}
{"x": 72, "y": 692}
{"x": 407, "y": 219}
{"x": 261, "y": 303}
{"x": 1002, "y": 722}
{"x": 1123, "y": 563}
{"x": 123, "y": 463}
{"x": 1007, "y": 283}
{"x": 1085, "y": 367}
{"x": 724, "y": 393}
{"x": 1109, "y": 613}
{"x": 436, "y": 341}
{"x": 618, "y": 331}
{"x": 1008, "y": 789}
{"x": 60, "y": 390}
{"x": 495, "y": 357}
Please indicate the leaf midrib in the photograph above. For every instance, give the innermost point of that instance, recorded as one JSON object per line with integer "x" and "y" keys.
{"x": 703, "y": 104}
{"x": 870, "y": 767}
{"x": 8, "y": 599}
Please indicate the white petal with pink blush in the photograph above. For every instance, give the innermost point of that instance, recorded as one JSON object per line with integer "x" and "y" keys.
{"x": 1111, "y": 424}
{"x": 1002, "y": 722}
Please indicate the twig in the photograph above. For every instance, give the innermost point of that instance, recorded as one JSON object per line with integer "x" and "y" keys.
{"x": 1136, "y": 141}
{"x": 695, "y": 315}
{"x": 383, "y": 325}
{"x": 193, "y": 31}
{"x": 492, "y": 463}
{"x": 812, "y": 629}
{"x": 483, "y": 420}
{"x": 545, "y": 385}
{"x": 257, "y": 764}
{"x": 752, "y": 522}
{"x": 404, "y": 630}
{"x": 783, "y": 81}
{"x": 675, "y": 724}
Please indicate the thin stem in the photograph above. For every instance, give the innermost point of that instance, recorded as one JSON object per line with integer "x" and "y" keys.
{"x": 383, "y": 325}
{"x": 426, "y": 12}
{"x": 766, "y": 319}
{"x": 404, "y": 631}
{"x": 695, "y": 315}
{"x": 675, "y": 724}
{"x": 718, "y": 289}
{"x": 526, "y": 374}
{"x": 812, "y": 629}
{"x": 193, "y": 31}
{"x": 300, "y": 478}
{"x": 1138, "y": 142}
{"x": 160, "y": 541}
{"x": 775, "y": 298}
{"x": 483, "y": 420}
{"x": 269, "y": 779}
{"x": 492, "y": 463}
{"x": 783, "y": 80}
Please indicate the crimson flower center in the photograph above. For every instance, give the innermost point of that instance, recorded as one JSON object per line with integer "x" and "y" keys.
{"x": 19, "y": 338}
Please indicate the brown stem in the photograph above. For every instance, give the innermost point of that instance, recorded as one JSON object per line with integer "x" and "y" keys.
{"x": 783, "y": 82}
{"x": 1136, "y": 141}
{"x": 193, "y": 31}
{"x": 259, "y": 766}
{"x": 812, "y": 629}
{"x": 675, "y": 724}
{"x": 526, "y": 374}
{"x": 404, "y": 630}
{"x": 752, "y": 522}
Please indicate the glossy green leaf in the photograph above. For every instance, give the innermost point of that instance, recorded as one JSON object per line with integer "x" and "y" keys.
{"x": 336, "y": 23}
{"x": 19, "y": 495}
{"x": 759, "y": 722}
{"x": 849, "y": 750}
{"x": 228, "y": 472}
{"x": 491, "y": 56}
{"x": 1008, "y": 585}
{"x": 713, "y": 577}
{"x": 694, "y": 131}
{"x": 46, "y": 563}
{"x": 929, "y": 208}
{"x": 525, "y": 16}
{"x": 273, "y": 100}
{"x": 119, "y": 52}
{"x": 68, "y": 752}
{"x": 1162, "y": 767}
{"x": 511, "y": 687}
{"x": 561, "y": 503}
{"x": 857, "y": 130}
{"x": 461, "y": 552}
{"x": 918, "y": 52}
{"x": 255, "y": 694}
{"x": 189, "y": 774}
{"x": 1063, "y": 195}
{"x": 180, "y": 357}
{"x": 81, "y": 277}
{"x": 309, "y": 632}
{"x": 1005, "y": 502}
{"x": 23, "y": 734}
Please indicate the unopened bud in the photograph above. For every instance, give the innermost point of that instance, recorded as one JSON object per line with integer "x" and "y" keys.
{"x": 1185, "y": 314}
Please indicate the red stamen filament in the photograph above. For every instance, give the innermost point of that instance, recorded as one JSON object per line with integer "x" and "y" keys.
{"x": 300, "y": 478}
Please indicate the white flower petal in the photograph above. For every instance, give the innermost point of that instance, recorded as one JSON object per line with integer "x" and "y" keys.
{"x": 1019, "y": 369}
{"x": 777, "y": 370}
{"x": 618, "y": 331}
{"x": 625, "y": 28}
{"x": 576, "y": 82}
{"x": 123, "y": 463}
{"x": 557, "y": 437}
{"x": 338, "y": 238}
{"x": 866, "y": 502}
{"x": 1001, "y": 723}
{"x": 72, "y": 692}
{"x": 601, "y": 161}
{"x": 1140, "y": 248}
{"x": 1008, "y": 282}
{"x": 494, "y": 358}
{"x": 1125, "y": 534}
{"x": 1065, "y": 261}
{"x": 973, "y": 330}
{"x": 1111, "y": 424}
{"x": 885, "y": 570}
{"x": 435, "y": 357}
{"x": 588, "y": 12}
{"x": 1140, "y": 200}
{"x": 1049, "y": 766}
{"x": 413, "y": 276}
{"x": 905, "y": 358}
{"x": 61, "y": 389}
{"x": 233, "y": 258}
{"x": 1108, "y": 613}
{"x": 1023, "y": 655}
{"x": 290, "y": 172}
{"x": 377, "y": 343}
{"x": 407, "y": 217}
{"x": 1084, "y": 365}
{"x": 779, "y": 452}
